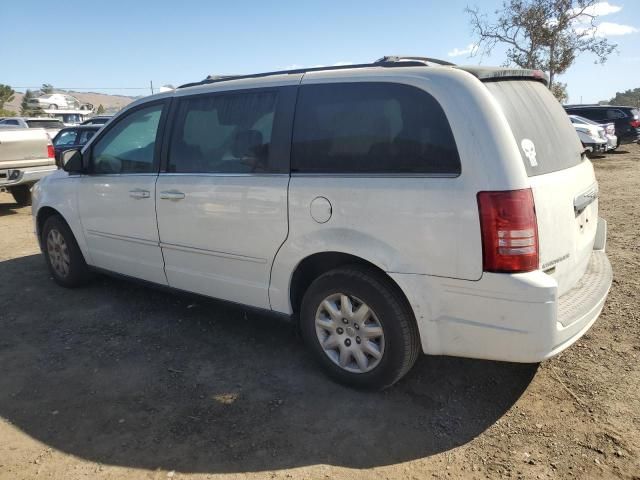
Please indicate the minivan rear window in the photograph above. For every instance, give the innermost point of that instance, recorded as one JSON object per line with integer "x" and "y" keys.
{"x": 547, "y": 140}
{"x": 372, "y": 127}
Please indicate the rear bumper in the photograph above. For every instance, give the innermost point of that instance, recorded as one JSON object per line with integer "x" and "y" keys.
{"x": 515, "y": 318}
{"x": 579, "y": 308}
{"x": 17, "y": 176}
{"x": 597, "y": 147}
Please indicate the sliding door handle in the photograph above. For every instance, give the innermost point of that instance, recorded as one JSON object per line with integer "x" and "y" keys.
{"x": 171, "y": 195}
{"x": 139, "y": 193}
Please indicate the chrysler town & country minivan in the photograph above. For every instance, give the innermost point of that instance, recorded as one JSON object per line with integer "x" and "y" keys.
{"x": 392, "y": 208}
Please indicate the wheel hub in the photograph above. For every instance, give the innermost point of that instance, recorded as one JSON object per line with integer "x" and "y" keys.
{"x": 58, "y": 253}
{"x": 350, "y": 333}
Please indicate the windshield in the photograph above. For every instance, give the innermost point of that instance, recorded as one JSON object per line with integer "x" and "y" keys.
{"x": 45, "y": 124}
{"x": 69, "y": 117}
{"x": 547, "y": 140}
{"x": 65, "y": 137}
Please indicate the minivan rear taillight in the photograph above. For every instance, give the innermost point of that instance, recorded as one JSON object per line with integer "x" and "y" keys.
{"x": 509, "y": 231}
{"x": 51, "y": 153}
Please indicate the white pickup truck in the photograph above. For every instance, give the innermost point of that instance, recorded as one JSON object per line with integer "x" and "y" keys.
{"x": 26, "y": 156}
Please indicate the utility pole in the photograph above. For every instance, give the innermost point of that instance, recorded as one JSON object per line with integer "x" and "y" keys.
{"x": 151, "y": 83}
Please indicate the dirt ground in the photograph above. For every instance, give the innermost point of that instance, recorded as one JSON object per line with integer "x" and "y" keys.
{"x": 118, "y": 380}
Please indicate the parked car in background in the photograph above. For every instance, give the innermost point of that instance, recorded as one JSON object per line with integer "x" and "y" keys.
{"x": 71, "y": 118}
{"x": 26, "y": 156}
{"x": 54, "y": 101}
{"x": 626, "y": 119}
{"x": 606, "y": 131}
{"x": 97, "y": 120}
{"x": 593, "y": 137}
{"x": 51, "y": 125}
{"x": 73, "y": 137}
{"x": 368, "y": 203}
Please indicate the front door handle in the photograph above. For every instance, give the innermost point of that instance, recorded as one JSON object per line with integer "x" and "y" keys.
{"x": 139, "y": 193}
{"x": 171, "y": 195}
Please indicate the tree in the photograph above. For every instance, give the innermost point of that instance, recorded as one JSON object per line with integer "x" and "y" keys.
{"x": 559, "y": 91}
{"x": 628, "y": 97}
{"x": 100, "y": 110}
{"x": 46, "y": 88}
{"x": 7, "y": 113}
{"x": 6, "y": 95}
{"x": 542, "y": 34}
{"x": 25, "y": 109}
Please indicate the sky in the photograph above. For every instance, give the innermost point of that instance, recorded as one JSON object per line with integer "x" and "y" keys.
{"x": 118, "y": 46}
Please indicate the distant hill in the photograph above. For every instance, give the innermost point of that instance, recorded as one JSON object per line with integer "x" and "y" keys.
{"x": 111, "y": 103}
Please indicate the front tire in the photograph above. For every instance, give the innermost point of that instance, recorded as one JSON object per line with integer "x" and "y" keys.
{"x": 359, "y": 327}
{"x": 62, "y": 254}
{"x": 21, "y": 194}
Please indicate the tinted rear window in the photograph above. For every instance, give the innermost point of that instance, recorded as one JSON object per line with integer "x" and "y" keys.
{"x": 548, "y": 141}
{"x": 382, "y": 128}
{"x": 45, "y": 124}
{"x": 224, "y": 133}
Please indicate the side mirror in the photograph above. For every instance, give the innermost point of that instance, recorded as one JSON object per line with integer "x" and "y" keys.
{"x": 71, "y": 161}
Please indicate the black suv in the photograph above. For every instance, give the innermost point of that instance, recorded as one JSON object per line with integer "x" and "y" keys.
{"x": 626, "y": 119}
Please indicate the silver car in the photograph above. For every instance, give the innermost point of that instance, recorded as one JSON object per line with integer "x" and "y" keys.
{"x": 605, "y": 131}
{"x": 55, "y": 101}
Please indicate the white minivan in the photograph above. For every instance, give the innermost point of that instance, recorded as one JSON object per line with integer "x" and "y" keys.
{"x": 392, "y": 208}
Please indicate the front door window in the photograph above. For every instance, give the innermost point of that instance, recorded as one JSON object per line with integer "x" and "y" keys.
{"x": 129, "y": 146}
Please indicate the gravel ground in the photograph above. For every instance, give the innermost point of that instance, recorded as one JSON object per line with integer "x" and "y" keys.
{"x": 118, "y": 380}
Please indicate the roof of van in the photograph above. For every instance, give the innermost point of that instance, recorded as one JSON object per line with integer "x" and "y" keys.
{"x": 481, "y": 72}
{"x": 597, "y": 105}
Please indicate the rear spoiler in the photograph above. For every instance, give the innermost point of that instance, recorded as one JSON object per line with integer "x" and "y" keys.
{"x": 488, "y": 74}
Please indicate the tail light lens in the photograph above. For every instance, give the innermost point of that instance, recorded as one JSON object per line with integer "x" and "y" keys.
{"x": 635, "y": 123}
{"x": 51, "y": 153}
{"x": 509, "y": 231}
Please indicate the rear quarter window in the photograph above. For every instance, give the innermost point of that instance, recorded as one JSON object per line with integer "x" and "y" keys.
{"x": 375, "y": 128}
{"x": 545, "y": 136}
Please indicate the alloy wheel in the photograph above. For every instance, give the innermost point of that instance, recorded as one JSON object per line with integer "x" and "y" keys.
{"x": 58, "y": 253}
{"x": 350, "y": 333}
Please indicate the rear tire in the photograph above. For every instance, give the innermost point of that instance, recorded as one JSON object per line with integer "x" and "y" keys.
{"x": 62, "y": 254}
{"x": 21, "y": 194}
{"x": 53, "y": 106}
{"x": 370, "y": 350}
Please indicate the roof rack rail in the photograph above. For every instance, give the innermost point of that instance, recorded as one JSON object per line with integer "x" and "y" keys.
{"x": 582, "y": 105}
{"x": 405, "y": 58}
{"x": 387, "y": 62}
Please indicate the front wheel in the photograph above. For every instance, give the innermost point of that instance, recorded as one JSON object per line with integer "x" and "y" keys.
{"x": 62, "y": 253}
{"x": 359, "y": 327}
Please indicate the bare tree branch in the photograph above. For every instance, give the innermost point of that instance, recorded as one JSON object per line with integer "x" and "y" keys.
{"x": 543, "y": 34}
